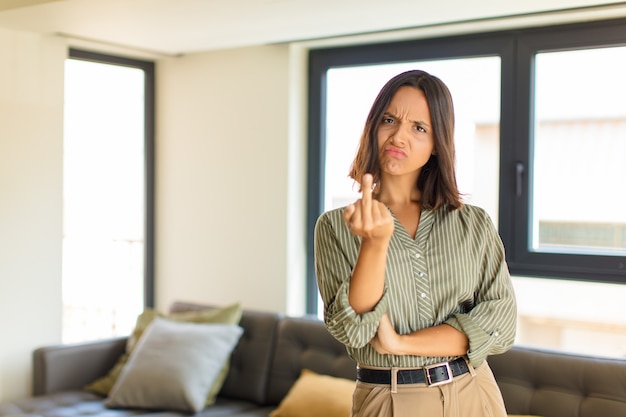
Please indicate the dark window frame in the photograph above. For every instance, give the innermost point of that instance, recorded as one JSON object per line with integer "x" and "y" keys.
{"x": 149, "y": 163}
{"x": 540, "y": 264}
{"x": 516, "y": 49}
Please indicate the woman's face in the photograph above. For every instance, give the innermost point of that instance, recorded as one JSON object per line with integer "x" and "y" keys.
{"x": 405, "y": 139}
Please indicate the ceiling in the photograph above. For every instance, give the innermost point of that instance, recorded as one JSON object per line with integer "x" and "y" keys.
{"x": 176, "y": 27}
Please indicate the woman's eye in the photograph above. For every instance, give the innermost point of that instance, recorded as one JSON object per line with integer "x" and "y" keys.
{"x": 387, "y": 120}
{"x": 420, "y": 129}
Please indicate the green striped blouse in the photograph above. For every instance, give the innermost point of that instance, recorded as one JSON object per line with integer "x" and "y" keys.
{"x": 453, "y": 272}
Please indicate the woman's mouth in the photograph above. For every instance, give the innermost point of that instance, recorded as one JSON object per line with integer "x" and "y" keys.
{"x": 395, "y": 152}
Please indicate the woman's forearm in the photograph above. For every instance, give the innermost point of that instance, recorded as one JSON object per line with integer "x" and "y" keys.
{"x": 441, "y": 340}
{"x": 367, "y": 282}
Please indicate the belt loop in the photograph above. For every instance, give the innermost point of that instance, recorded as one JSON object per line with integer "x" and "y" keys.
{"x": 472, "y": 371}
{"x": 394, "y": 380}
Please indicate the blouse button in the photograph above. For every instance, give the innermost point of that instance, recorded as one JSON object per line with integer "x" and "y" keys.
{"x": 421, "y": 274}
{"x": 417, "y": 255}
{"x": 423, "y": 295}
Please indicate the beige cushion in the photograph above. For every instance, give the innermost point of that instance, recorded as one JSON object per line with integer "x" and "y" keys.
{"x": 315, "y": 395}
{"x": 174, "y": 365}
{"x": 230, "y": 314}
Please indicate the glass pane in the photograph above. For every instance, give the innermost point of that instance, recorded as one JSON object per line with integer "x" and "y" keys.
{"x": 578, "y": 203}
{"x": 475, "y": 87}
{"x": 104, "y": 200}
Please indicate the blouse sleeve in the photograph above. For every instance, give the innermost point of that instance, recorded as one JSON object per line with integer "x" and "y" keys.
{"x": 335, "y": 255}
{"x": 491, "y": 324}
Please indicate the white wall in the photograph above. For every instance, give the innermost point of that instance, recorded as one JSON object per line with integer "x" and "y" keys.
{"x": 223, "y": 172}
{"x": 222, "y": 178}
{"x": 31, "y": 133}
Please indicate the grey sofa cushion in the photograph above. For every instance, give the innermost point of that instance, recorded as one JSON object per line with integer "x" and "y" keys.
{"x": 304, "y": 343}
{"x": 174, "y": 365}
{"x": 547, "y": 383}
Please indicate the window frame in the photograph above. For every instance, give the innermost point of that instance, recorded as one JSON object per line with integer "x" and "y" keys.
{"x": 149, "y": 154}
{"x": 521, "y": 260}
{"x": 516, "y": 49}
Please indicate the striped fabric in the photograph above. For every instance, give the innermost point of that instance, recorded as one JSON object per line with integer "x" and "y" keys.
{"x": 453, "y": 272}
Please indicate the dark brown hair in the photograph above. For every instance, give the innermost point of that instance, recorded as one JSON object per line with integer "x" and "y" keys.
{"x": 437, "y": 180}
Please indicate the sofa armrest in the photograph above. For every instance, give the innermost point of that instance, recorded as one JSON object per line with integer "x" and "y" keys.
{"x": 72, "y": 366}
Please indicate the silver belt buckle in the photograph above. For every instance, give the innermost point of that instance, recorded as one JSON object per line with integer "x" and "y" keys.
{"x": 428, "y": 377}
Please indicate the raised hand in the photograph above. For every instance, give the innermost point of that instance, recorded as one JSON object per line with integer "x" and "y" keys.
{"x": 372, "y": 221}
{"x": 367, "y": 217}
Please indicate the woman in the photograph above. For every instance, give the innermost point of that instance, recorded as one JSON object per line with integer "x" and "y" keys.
{"x": 414, "y": 282}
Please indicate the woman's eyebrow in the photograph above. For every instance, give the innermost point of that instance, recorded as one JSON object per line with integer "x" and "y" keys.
{"x": 419, "y": 122}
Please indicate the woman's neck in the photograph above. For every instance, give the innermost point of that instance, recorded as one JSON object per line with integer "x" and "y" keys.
{"x": 399, "y": 192}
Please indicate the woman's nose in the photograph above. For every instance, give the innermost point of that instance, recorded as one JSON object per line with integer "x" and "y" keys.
{"x": 399, "y": 137}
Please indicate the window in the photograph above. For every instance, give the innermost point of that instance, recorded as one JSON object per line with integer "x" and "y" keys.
{"x": 569, "y": 213}
{"x": 578, "y": 143}
{"x": 108, "y": 238}
{"x": 547, "y": 163}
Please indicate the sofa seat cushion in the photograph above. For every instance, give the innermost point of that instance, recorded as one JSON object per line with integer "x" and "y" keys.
{"x": 62, "y": 404}
{"x": 86, "y": 404}
{"x": 225, "y": 407}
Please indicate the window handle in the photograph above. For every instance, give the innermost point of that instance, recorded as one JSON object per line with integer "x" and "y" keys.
{"x": 519, "y": 174}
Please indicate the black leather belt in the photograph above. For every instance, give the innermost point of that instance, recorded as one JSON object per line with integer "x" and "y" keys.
{"x": 438, "y": 374}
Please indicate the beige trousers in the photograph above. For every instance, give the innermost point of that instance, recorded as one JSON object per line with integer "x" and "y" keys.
{"x": 474, "y": 394}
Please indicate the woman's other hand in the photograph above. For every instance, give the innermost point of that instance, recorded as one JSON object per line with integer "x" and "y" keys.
{"x": 440, "y": 340}
{"x": 386, "y": 340}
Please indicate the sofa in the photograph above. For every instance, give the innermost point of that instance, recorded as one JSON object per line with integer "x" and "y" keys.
{"x": 272, "y": 356}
